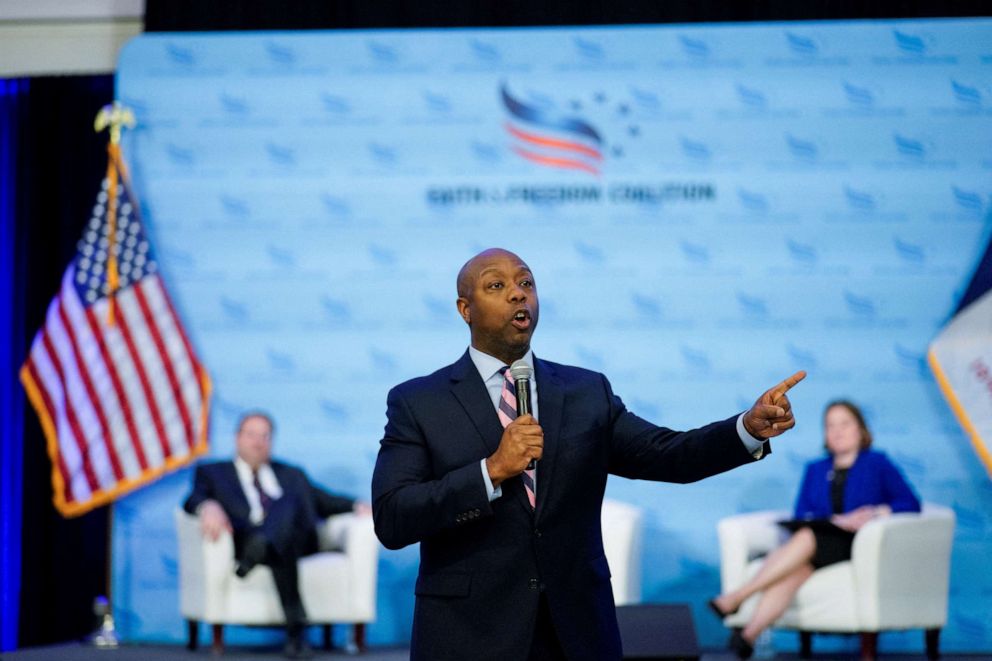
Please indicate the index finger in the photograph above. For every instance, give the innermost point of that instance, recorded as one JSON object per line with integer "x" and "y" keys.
{"x": 783, "y": 387}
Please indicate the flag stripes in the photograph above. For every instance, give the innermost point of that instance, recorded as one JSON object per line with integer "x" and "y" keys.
{"x": 122, "y": 397}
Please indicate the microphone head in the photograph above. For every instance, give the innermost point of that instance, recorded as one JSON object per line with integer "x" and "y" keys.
{"x": 520, "y": 370}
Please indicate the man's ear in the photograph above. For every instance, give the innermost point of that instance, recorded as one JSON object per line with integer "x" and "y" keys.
{"x": 464, "y": 310}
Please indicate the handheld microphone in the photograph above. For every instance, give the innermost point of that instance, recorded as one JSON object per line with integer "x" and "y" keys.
{"x": 521, "y": 372}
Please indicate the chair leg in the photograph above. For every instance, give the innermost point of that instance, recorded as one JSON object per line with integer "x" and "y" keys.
{"x": 193, "y": 627}
{"x": 805, "y": 645}
{"x": 328, "y": 637}
{"x": 869, "y": 645}
{"x": 933, "y": 643}
{"x": 360, "y": 636}
{"x": 218, "y": 645}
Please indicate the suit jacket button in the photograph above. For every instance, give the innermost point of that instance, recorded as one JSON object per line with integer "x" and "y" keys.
{"x": 533, "y": 584}
{"x": 537, "y": 532}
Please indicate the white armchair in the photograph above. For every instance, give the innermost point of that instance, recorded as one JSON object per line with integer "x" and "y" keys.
{"x": 337, "y": 584}
{"x": 897, "y": 577}
{"x": 622, "y": 534}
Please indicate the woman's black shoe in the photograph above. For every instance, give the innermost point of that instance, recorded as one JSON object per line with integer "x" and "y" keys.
{"x": 716, "y": 609}
{"x": 739, "y": 645}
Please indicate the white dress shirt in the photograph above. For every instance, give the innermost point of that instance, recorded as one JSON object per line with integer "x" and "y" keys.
{"x": 266, "y": 477}
{"x": 489, "y": 368}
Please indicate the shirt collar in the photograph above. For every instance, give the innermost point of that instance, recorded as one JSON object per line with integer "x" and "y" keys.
{"x": 244, "y": 469}
{"x": 488, "y": 365}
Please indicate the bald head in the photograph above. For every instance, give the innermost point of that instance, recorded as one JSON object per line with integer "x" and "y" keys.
{"x": 470, "y": 271}
{"x": 497, "y": 298}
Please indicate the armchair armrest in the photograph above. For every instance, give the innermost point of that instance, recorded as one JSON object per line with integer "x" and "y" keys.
{"x": 902, "y": 569}
{"x": 354, "y": 535}
{"x": 744, "y": 537}
{"x": 205, "y": 567}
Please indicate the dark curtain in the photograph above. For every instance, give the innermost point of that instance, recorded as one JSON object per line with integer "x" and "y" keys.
{"x": 59, "y": 162}
{"x": 180, "y": 15}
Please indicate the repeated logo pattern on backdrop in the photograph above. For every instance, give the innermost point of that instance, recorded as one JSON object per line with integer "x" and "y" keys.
{"x": 706, "y": 208}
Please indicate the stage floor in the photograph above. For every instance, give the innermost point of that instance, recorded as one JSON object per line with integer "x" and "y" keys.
{"x": 79, "y": 652}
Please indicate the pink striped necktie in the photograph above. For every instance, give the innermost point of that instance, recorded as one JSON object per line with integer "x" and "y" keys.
{"x": 507, "y": 412}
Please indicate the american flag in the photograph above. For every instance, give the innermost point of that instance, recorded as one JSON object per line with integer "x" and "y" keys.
{"x": 120, "y": 393}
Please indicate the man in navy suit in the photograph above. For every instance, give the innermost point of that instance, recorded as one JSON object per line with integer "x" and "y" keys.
{"x": 272, "y": 511}
{"x": 511, "y": 560}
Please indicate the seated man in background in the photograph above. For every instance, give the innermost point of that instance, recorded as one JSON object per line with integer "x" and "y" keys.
{"x": 272, "y": 511}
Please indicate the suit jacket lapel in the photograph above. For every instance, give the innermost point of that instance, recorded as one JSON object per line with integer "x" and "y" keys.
{"x": 470, "y": 391}
{"x": 550, "y": 401}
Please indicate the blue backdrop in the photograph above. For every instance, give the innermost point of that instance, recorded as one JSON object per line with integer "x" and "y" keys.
{"x": 706, "y": 209}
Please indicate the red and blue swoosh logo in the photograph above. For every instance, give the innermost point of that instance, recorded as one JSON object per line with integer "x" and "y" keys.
{"x": 550, "y": 139}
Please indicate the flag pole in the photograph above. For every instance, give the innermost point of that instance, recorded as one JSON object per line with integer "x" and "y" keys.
{"x": 112, "y": 117}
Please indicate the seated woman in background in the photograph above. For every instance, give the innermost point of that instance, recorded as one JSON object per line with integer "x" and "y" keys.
{"x": 849, "y": 488}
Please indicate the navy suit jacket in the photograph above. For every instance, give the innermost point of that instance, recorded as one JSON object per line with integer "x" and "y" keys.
{"x": 872, "y": 480}
{"x": 484, "y": 564}
{"x": 219, "y": 481}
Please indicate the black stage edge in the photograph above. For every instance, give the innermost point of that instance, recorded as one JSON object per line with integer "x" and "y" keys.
{"x": 79, "y": 652}
{"x": 658, "y": 632}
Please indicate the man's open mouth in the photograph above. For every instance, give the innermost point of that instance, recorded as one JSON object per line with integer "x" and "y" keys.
{"x": 521, "y": 319}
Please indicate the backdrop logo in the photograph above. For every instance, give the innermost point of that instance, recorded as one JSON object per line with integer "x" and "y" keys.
{"x": 437, "y": 103}
{"x": 860, "y": 306}
{"x": 802, "y": 253}
{"x": 180, "y": 55}
{"x": 179, "y": 155}
{"x": 589, "y": 50}
{"x": 484, "y": 51}
{"x": 802, "y": 149}
{"x": 858, "y": 95}
{"x": 751, "y": 97}
{"x": 645, "y": 306}
{"x": 859, "y": 200}
{"x": 802, "y": 356}
{"x": 967, "y": 200}
{"x": 334, "y": 205}
{"x": 909, "y": 43}
{"x": 280, "y": 54}
{"x": 753, "y": 201}
{"x": 801, "y": 44}
{"x": 234, "y": 105}
{"x": 695, "y": 150}
{"x": 543, "y": 136}
{"x": 234, "y": 207}
{"x": 335, "y": 104}
{"x": 696, "y": 253}
{"x": 967, "y": 95}
{"x": 234, "y": 310}
{"x": 383, "y": 53}
{"x": 589, "y": 253}
{"x": 909, "y": 147}
{"x": 694, "y": 47}
{"x": 335, "y": 311}
{"x": 910, "y": 253}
